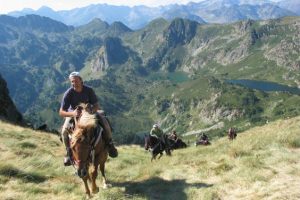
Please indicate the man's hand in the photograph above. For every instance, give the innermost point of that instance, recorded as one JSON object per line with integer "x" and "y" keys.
{"x": 77, "y": 112}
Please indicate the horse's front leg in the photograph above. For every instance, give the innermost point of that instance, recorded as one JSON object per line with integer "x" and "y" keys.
{"x": 160, "y": 155}
{"x": 93, "y": 175}
{"x": 102, "y": 169}
{"x": 153, "y": 158}
{"x": 87, "y": 190}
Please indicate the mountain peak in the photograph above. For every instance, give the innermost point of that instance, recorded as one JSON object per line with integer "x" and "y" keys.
{"x": 41, "y": 23}
{"x": 45, "y": 8}
{"x": 119, "y": 28}
{"x": 95, "y": 26}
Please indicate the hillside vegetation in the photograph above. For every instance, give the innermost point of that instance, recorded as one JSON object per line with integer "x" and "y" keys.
{"x": 262, "y": 163}
{"x": 170, "y": 72}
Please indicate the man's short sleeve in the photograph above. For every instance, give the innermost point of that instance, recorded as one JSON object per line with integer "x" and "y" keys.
{"x": 66, "y": 101}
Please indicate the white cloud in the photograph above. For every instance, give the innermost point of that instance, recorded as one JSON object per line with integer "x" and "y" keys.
{"x": 12, "y": 5}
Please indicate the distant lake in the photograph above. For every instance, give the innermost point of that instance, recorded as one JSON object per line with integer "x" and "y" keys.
{"x": 265, "y": 86}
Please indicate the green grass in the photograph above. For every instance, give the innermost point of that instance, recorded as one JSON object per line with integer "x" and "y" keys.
{"x": 262, "y": 163}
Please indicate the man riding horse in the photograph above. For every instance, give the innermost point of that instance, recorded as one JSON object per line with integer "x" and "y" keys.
{"x": 231, "y": 133}
{"x": 175, "y": 142}
{"x": 173, "y": 136}
{"x": 203, "y": 140}
{"x": 158, "y": 133}
{"x": 76, "y": 94}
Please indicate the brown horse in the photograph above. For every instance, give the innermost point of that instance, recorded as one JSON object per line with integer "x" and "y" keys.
{"x": 88, "y": 149}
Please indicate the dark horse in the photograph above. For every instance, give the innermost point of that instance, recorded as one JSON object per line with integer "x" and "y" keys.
{"x": 156, "y": 146}
{"x": 203, "y": 140}
{"x": 231, "y": 133}
{"x": 89, "y": 149}
{"x": 177, "y": 144}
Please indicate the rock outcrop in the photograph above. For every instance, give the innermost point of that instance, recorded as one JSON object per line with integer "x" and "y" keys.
{"x": 8, "y": 110}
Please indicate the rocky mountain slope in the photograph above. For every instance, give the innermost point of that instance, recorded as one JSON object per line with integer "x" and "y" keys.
{"x": 173, "y": 73}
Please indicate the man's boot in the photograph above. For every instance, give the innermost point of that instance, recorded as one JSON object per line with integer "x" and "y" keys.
{"x": 112, "y": 151}
{"x": 68, "y": 157}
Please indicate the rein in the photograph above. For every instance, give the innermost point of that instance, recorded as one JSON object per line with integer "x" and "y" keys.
{"x": 99, "y": 131}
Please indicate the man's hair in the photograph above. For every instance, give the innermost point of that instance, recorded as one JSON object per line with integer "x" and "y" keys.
{"x": 75, "y": 74}
{"x": 155, "y": 126}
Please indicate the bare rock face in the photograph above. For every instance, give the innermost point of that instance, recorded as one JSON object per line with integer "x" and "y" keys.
{"x": 286, "y": 54}
{"x": 100, "y": 63}
{"x": 8, "y": 110}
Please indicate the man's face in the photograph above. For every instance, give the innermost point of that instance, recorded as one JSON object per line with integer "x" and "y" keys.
{"x": 76, "y": 82}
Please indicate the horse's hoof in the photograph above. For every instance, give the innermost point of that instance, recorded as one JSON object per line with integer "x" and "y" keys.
{"x": 96, "y": 190}
{"x": 107, "y": 185}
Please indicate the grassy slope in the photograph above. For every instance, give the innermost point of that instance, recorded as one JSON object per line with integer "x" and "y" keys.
{"x": 263, "y": 163}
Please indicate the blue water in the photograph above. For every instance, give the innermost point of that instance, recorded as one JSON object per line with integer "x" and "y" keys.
{"x": 264, "y": 86}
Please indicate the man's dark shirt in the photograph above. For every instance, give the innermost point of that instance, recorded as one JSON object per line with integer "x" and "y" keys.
{"x": 71, "y": 98}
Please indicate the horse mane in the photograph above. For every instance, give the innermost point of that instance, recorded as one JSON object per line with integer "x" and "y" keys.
{"x": 87, "y": 119}
{"x": 77, "y": 135}
{"x": 86, "y": 122}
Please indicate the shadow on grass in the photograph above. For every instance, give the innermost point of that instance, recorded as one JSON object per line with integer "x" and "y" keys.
{"x": 10, "y": 171}
{"x": 157, "y": 188}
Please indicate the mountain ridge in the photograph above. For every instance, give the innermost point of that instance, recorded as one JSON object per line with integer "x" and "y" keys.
{"x": 137, "y": 17}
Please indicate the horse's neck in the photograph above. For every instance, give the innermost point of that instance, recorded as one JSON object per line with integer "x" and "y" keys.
{"x": 153, "y": 139}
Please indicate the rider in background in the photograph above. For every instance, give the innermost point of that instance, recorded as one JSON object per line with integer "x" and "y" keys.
{"x": 76, "y": 94}
{"x": 232, "y": 133}
{"x": 158, "y": 133}
{"x": 173, "y": 136}
{"x": 203, "y": 137}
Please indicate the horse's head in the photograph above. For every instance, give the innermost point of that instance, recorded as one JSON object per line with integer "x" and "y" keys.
{"x": 86, "y": 107}
{"x": 80, "y": 145}
{"x": 81, "y": 141}
{"x": 150, "y": 141}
